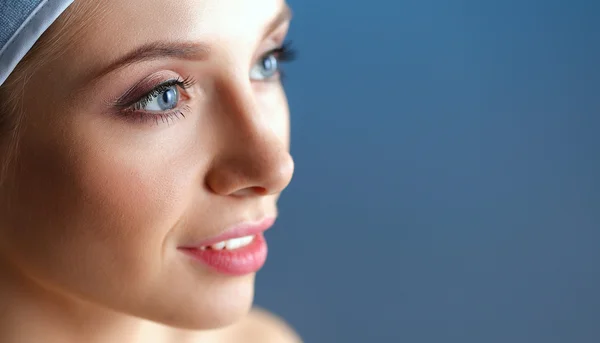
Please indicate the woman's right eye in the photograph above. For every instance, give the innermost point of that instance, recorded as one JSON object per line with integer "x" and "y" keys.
{"x": 162, "y": 103}
{"x": 160, "y": 99}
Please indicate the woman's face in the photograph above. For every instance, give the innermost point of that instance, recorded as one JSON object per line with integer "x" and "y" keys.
{"x": 153, "y": 126}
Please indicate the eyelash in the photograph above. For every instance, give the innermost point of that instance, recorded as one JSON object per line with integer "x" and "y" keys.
{"x": 134, "y": 110}
{"x": 183, "y": 84}
{"x": 284, "y": 54}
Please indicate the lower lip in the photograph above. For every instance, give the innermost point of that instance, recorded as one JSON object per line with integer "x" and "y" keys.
{"x": 241, "y": 261}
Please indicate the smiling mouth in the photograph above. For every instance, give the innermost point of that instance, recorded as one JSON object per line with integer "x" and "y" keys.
{"x": 230, "y": 244}
{"x": 240, "y": 260}
{"x": 238, "y": 251}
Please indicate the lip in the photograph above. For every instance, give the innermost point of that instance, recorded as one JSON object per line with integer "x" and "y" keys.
{"x": 241, "y": 261}
{"x": 236, "y": 231}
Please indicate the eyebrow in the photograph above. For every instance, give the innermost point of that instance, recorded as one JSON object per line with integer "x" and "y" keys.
{"x": 181, "y": 50}
{"x": 284, "y": 15}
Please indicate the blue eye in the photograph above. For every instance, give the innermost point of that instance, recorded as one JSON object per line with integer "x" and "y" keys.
{"x": 269, "y": 65}
{"x": 266, "y": 68}
{"x": 162, "y": 100}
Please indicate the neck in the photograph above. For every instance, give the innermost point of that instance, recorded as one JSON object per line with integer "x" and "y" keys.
{"x": 30, "y": 312}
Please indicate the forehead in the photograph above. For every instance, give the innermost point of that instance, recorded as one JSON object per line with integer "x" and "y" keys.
{"x": 187, "y": 19}
{"x": 107, "y": 29}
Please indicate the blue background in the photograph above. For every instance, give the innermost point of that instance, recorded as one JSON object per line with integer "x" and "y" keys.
{"x": 447, "y": 184}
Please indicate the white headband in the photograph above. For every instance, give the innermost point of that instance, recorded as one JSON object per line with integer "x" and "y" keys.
{"x": 22, "y": 22}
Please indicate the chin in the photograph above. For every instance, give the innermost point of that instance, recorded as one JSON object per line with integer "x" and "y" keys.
{"x": 222, "y": 303}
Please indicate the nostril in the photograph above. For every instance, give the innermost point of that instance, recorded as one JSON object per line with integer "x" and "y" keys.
{"x": 251, "y": 191}
{"x": 260, "y": 190}
{"x": 263, "y": 170}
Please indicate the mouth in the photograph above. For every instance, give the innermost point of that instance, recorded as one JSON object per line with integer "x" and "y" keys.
{"x": 230, "y": 244}
{"x": 239, "y": 251}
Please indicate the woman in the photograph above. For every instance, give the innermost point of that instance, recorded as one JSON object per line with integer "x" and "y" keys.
{"x": 144, "y": 145}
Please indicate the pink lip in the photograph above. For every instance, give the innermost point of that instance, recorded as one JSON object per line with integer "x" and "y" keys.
{"x": 241, "y": 261}
{"x": 240, "y": 230}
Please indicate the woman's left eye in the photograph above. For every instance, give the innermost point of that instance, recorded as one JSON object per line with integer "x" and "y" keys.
{"x": 269, "y": 66}
{"x": 266, "y": 68}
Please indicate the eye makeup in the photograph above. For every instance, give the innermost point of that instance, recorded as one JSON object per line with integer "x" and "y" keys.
{"x": 134, "y": 102}
{"x": 148, "y": 88}
{"x": 162, "y": 96}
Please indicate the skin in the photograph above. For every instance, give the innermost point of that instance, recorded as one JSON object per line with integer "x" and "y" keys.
{"x": 97, "y": 201}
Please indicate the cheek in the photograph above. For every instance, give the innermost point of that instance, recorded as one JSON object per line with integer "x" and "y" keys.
{"x": 101, "y": 205}
{"x": 141, "y": 189}
{"x": 137, "y": 193}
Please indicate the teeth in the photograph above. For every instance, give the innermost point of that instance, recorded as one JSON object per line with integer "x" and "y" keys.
{"x": 218, "y": 246}
{"x": 231, "y": 244}
{"x": 247, "y": 240}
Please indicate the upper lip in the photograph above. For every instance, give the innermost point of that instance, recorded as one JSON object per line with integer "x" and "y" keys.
{"x": 247, "y": 228}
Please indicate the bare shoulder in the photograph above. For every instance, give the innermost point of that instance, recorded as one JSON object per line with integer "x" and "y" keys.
{"x": 264, "y": 327}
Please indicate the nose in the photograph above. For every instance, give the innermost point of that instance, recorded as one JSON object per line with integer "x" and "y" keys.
{"x": 254, "y": 158}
